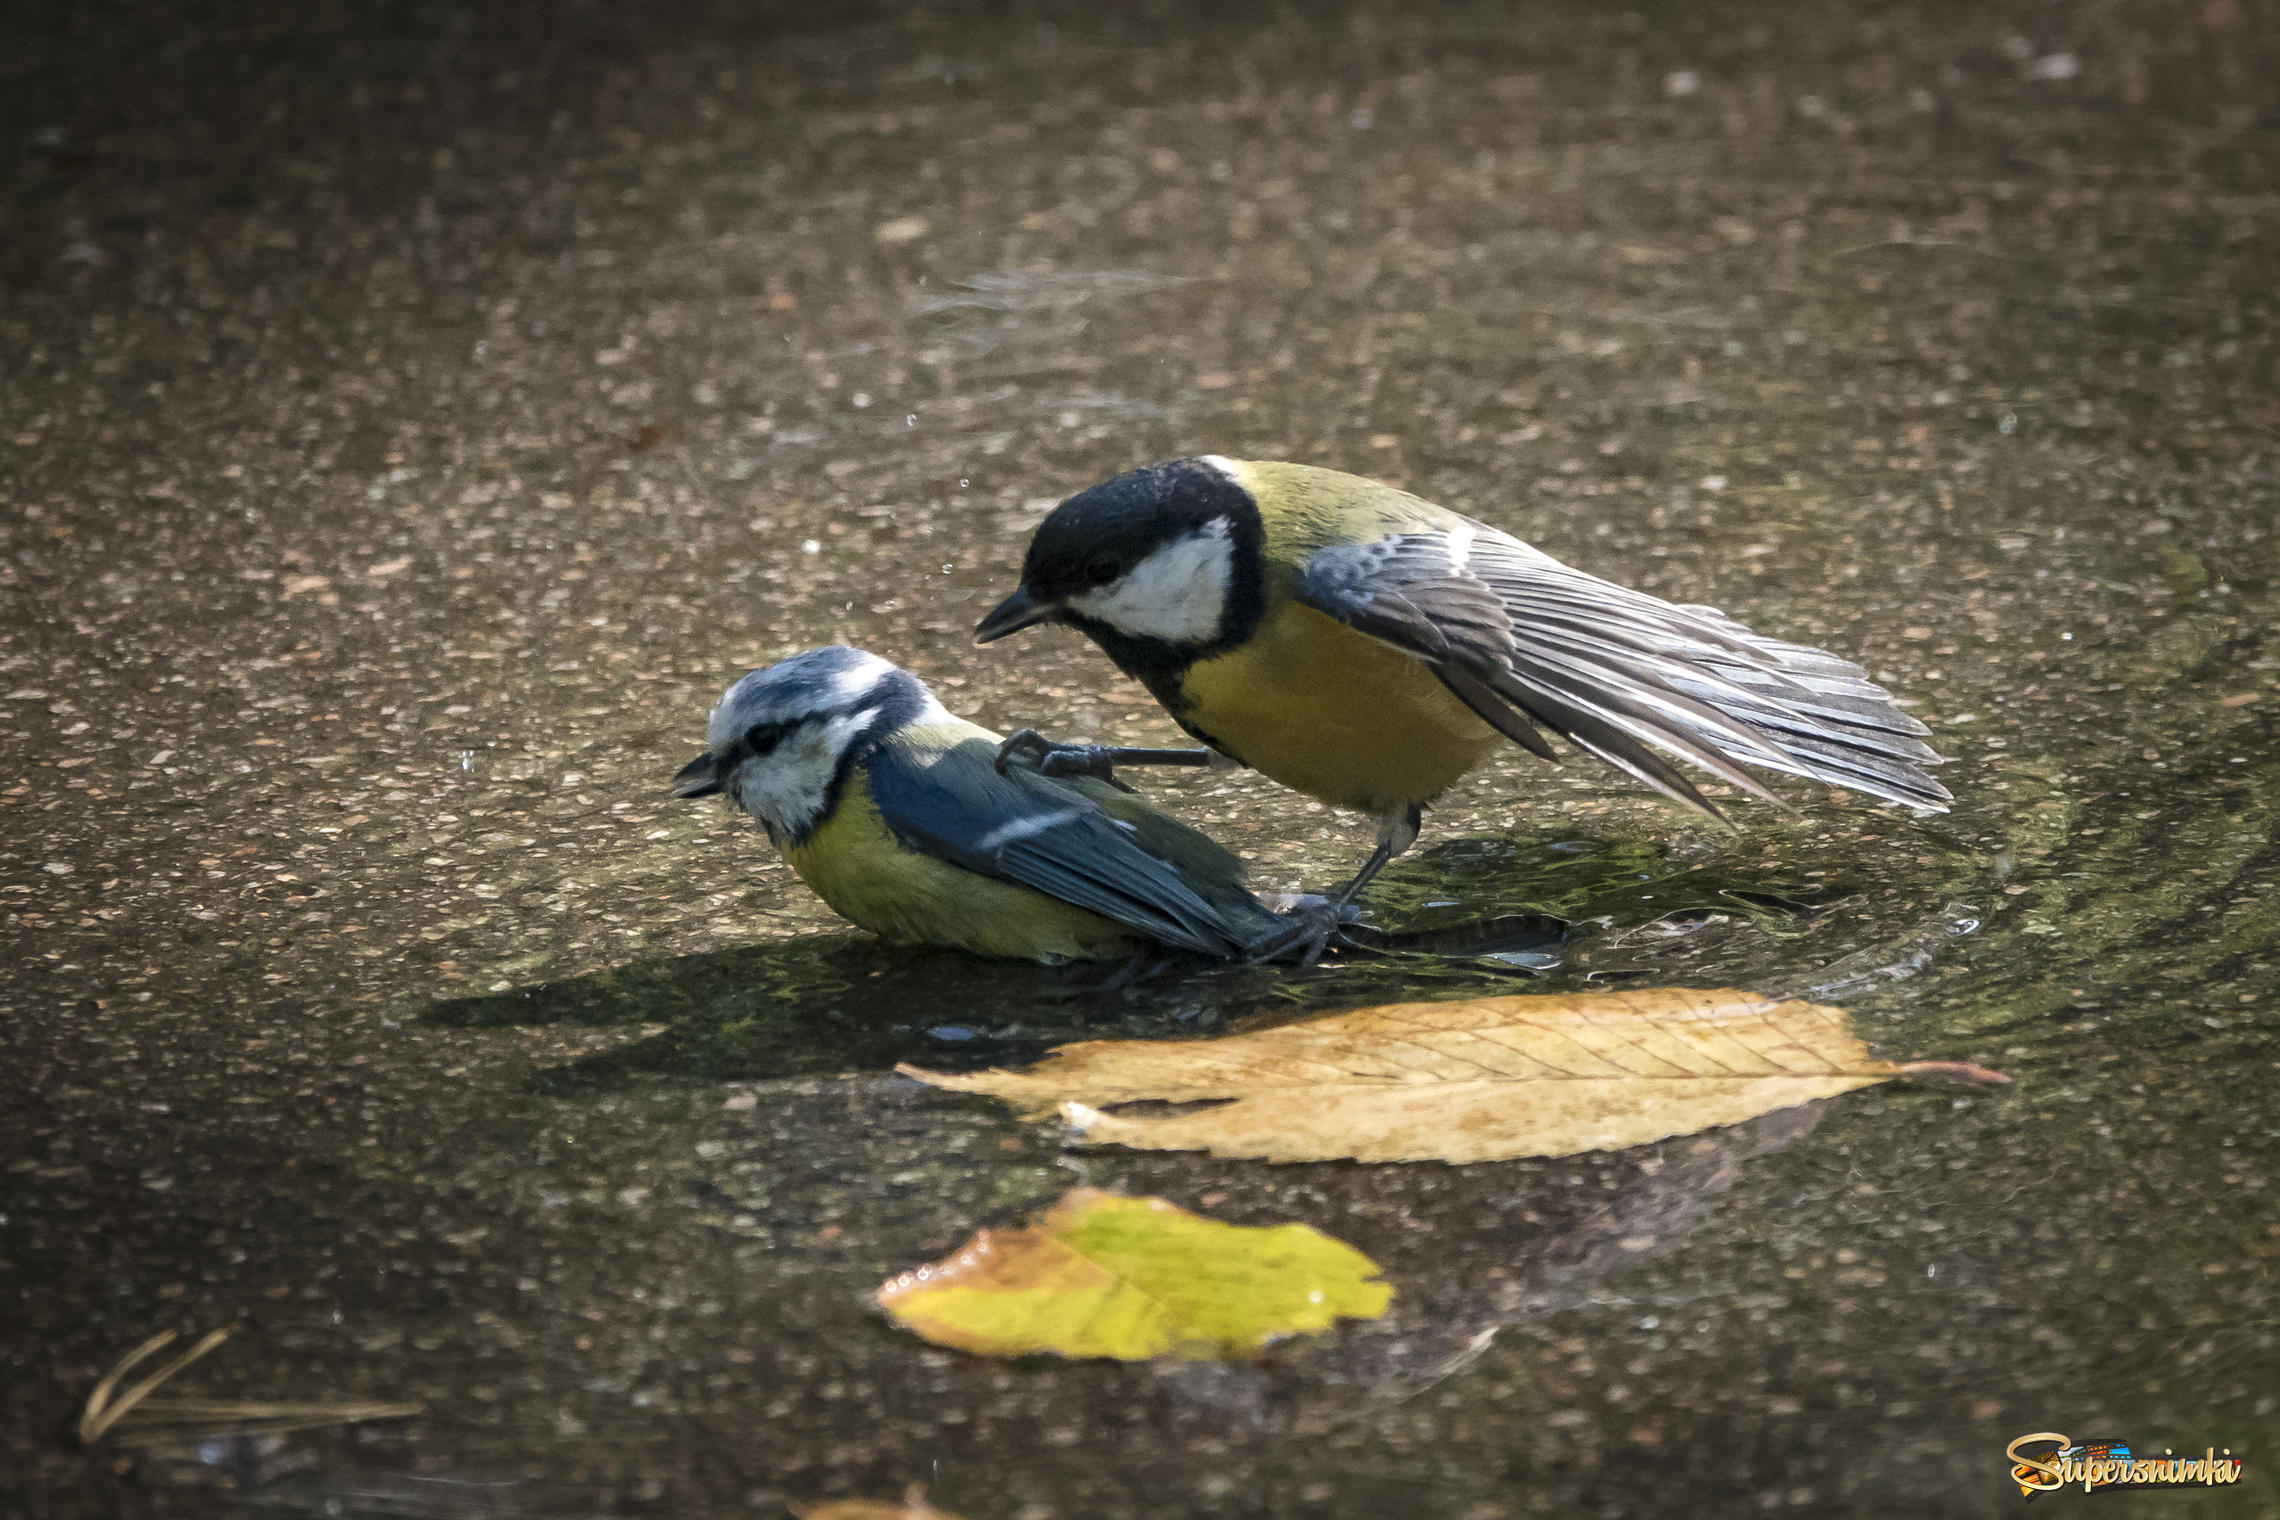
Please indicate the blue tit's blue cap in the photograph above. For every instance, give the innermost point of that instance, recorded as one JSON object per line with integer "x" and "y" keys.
{"x": 812, "y": 684}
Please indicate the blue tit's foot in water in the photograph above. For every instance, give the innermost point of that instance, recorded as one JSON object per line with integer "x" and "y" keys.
{"x": 1310, "y": 926}
{"x": 1031, "y": 750}
{"x": 1147, "y": 961}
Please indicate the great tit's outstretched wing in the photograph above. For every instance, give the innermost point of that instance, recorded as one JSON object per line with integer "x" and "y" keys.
{"x": 1118, "y": 858}
{"x": 1522, "y": 640}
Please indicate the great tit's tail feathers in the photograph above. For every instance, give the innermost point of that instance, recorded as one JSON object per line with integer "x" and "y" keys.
{"x": 1828, "y": 719}
{"x": 1700, "y": 686}
{"x": 1524, "y": 640}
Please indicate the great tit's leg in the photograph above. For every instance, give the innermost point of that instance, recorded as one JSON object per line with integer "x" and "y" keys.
{"x": 1033, "y": 751}
{"x": 1370, "y": 867}
{"x": 1397, "y": 831}
{"x": 1315, "y": 924}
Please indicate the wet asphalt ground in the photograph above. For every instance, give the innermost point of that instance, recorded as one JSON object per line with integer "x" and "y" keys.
{"x": 412, "y": 417}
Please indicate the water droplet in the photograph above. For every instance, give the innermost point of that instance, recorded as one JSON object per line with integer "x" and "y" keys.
{"x": 961, "y": 482}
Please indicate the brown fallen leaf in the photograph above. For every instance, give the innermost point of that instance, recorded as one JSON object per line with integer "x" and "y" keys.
{"x": 1482, "y": 1079}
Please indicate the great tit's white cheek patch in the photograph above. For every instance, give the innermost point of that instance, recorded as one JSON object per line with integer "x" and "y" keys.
{"x": 1177, "y": 594}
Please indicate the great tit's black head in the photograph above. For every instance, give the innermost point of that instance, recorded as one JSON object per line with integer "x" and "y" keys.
{"x": 1158, "y": 554}
{"x": 783, "y": 739}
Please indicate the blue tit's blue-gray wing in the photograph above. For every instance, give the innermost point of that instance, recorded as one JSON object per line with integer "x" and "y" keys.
{"x": 1522, "y": 639}
{"x": 1043, "y": 834}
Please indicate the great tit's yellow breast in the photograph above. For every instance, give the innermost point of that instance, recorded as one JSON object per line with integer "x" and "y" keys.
{"x": 1307, "y": 700}
{"x": 905, "y": 896}
{"x": 1312, "y": 704}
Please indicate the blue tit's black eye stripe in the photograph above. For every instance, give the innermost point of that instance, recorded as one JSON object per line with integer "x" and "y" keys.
{"x": 763, "y": 737}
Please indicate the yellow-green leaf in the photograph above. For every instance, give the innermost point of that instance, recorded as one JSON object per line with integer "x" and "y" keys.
{"x": 1134, "y": 1278}
{"x": 1480, "y": 1079}
{"x": 912, "y": 1507}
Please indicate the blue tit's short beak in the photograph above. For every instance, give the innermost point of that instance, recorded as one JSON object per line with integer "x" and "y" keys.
{"x": 699, "y": 778}
{"x": 1015, "y": 613}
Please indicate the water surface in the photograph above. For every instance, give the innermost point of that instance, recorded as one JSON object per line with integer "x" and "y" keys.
{"x": 414, "y": 419}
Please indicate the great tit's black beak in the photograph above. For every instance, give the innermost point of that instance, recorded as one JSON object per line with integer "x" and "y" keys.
{"x": 1016, "y": 612}
{"x": 699, "y": 778}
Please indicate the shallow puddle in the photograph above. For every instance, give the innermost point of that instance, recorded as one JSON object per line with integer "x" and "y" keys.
{"x": 411, "y": 430}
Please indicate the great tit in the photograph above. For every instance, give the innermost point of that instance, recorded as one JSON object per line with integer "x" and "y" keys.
{"x": 1368, "y": 648}
{"x": 894, "y": 812}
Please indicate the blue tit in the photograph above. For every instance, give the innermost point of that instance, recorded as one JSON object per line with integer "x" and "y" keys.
{"x": 1368, "y": 648}
{"x": 896, "y": 814}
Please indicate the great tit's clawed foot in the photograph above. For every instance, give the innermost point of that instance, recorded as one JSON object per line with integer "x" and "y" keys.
{"x": 1032, "y": 751}
{"x": 1311, "y": 926}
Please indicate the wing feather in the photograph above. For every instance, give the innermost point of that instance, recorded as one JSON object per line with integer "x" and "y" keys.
{"x": 1506, "y": 718}
{"x": 1524, "y": 640}
{"x": 1052, "y": 837}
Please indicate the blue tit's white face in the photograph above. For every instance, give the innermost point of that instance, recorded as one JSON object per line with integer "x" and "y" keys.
{"x": 781, "y": 737}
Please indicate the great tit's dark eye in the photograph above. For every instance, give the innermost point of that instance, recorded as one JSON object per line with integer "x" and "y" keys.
{"x": 1100, "y": 572}
{"x": 763, "y": 737}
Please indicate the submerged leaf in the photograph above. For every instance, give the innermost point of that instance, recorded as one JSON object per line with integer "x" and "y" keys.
{"x": 1134, "y": 1278}
{"x": 1482, "y": 1079}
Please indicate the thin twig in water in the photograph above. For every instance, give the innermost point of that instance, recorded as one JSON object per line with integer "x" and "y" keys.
{"x": 102, "y": 1413}
{"x": 160, "y": 1419}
